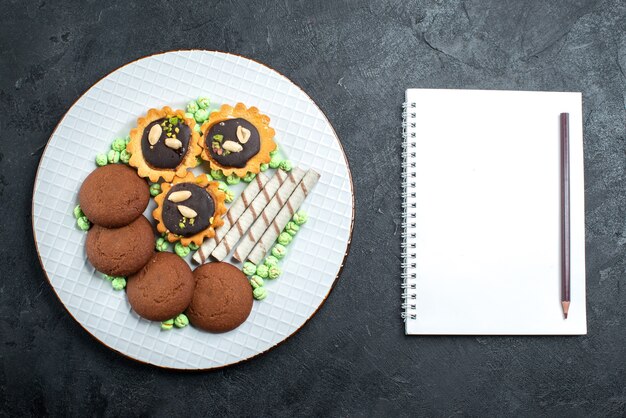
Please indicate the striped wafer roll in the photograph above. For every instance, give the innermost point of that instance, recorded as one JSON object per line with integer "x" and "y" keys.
{"x": 247, "y": 217}
{"x": 267, "y": 216}
{"x": 233, "y": 214}
{"x": 283, "y": 217}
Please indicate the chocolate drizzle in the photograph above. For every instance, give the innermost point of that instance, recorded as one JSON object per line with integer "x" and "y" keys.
{"x": 226, "y": 130}
{"x": 200, "y": 201}
{"x": 159, "y": 155}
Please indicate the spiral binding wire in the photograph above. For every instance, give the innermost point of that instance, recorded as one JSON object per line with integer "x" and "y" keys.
{"x": 409, "y": 287}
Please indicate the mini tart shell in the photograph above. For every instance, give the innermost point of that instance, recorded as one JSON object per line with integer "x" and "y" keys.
{"x": 134, "y": 146}
{"x": 260, "y": 122}
{"x": 216, "y": 194}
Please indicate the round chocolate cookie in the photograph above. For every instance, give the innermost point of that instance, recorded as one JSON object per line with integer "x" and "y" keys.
{"x": 160, "y": 154}
{"x": 222, "y": 299}
{"x": 113, "y": 196}
{"x": 120, "y": 251}
{"x": 230, "y": 130}
{"x": 199, "y": 200}
{"x": 162, "y": 288}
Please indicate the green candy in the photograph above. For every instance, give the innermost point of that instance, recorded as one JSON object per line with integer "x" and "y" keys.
{"x": 249, "y": 269}
{"x": 108, "y": 278}
{"x": 193, "y": 246}
{"x": 292, "y": 228}
{"x": 125, "y": 156}
{"x": 262, "y": 271}
{"x": 264, "y": 167}
{"x": 161, "y": 244}
{"x": 232, "y": 179}
{"x": 271, "y": 261}
{"x": 217, "y": 174}
{"x": 201, "y": 115}
{"x": 83, "y": 223}
{"x": 249, "y": 177}
{"x": 119, "y": 145}
{"x": 127, "y": 139}
{"x": 189, "y": 115}
{"x": 256, "y": 281}
{"x": 113, "y": 157}
{"x": 275, "y": 161}
{"x": 78, "y": 212}
{"x": 284, "y": 238}
{"x": 203, "y": 102}
{"x": 167, "y": 325}
{"x": 229, "y": 196}
{"x": 286, "y": 165}
{"x": 155, "y": 189}
{"x": 181, "y": 321}
{"x": 192, "y": 107}
{"x": 101, "y": 160}
{"x": 197, "y": 128}
{"x": 181, "y": 250}
{"x": 274, "y": 272}
{"x": 118, "y": 283}
{"x": 279, "y": 251}
{"x": 259, "y": 293}
{"x": 300, "y": 217}
{"x": 272, "y": 153}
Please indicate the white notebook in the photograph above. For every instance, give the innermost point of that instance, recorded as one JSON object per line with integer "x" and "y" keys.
{"x": 482, "y": 250}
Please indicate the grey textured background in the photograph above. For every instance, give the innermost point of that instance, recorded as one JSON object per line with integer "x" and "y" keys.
{"x": 355, "y": 59}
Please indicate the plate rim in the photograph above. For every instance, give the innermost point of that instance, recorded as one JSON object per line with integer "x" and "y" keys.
{"x": 341, "y": 266}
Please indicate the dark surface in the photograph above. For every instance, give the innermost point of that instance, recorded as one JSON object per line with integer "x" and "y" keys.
{"x": 355, "y": 59}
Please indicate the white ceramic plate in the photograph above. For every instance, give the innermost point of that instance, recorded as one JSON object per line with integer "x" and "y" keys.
{"x": 108, "y": 110}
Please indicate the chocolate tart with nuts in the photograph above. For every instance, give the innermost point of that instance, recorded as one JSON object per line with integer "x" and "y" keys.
{"x": 164, "y": 144}
{"x": 189, "y": 209}
{"x": 237, "y": 140}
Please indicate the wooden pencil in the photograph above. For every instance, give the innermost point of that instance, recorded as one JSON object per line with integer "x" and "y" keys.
{"x": 565, "y": 215}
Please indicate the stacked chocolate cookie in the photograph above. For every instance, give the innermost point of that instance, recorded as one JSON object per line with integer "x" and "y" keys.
{"x": 121, "y": 240}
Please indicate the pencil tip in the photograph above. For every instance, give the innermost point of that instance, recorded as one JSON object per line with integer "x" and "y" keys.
{"x": 565, "y": 305}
